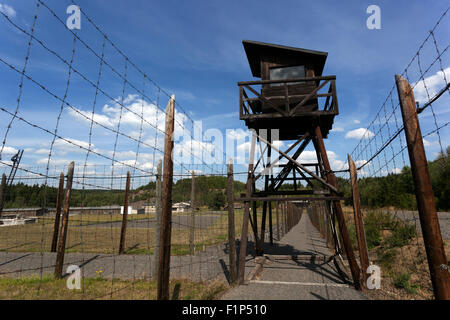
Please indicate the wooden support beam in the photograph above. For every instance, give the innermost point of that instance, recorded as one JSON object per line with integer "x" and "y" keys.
{"x": 2, "y": 193}
{"x": 429, "y": 222}
{"x": 325, "y": 198}
{"x": 158, "y": 214}
{"x": 244, "y": 233}
{"x": 65, "y": 224}
{"x": 339, "y": 213}
{"x": 309, "y": 96}
{"x": 281, "y": 177}
{"x": 59, "y": 201}
{"x": 192, "y": 224}
{"x": 163, "y": 292}
{"x": 270, "y": 223}
{"x": 290, "y": 192}
{"x": 277, "y": 212}
{"x": 257, "y": 82}
{"x": 331, "y": 187}
{"x": 231, "y": 226}
{"x": 123, "y": 230}
{"x": 360, "y": 233}
{"x": 280, "y": 157}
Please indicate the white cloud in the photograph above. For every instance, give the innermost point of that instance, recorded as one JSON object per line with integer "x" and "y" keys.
{"x": 70, "y": 145}
{"x": 238, "y": 134}
{"x": 8, "y": 10}
{"x": 356, "y": 121}
{"x": 433, "y": 83}
{"x": 9, "y": 150}
{"x": 337, "y": 129}
{"x": 360, "y": 133}
{"x": 427, "y": 143}
{"x": 137, "y": 112}
{"x": 54, "y": 162}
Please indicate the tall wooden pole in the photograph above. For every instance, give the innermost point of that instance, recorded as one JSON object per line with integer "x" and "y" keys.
{"x": 270, "y": 223}
{"x": 166, "y": 211}
{"x": 158, "y": 195}
{"x": 59, "y": 201}
{"x": 244, "y": 234}
{"x": 331, "y": 178}
{"x": 231, "y": 231}
{"x": 278, "y": 220}
{"x": 123, "y": 230}
{"x": 192, "y": 224}
{"x": 65, "y": 224}
{"x": 2, "y": 193}
{"x": 429, "y": 222}
{"x": 359, "y": 224}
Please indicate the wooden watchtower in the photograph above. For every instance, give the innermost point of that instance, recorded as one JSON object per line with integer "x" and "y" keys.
{"x": 294, "y": 98}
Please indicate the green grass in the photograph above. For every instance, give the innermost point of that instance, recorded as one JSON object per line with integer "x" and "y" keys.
{"x": 402, "y": 281}
{"x": 31, "y": 288}
{"x": 402, "y": 234}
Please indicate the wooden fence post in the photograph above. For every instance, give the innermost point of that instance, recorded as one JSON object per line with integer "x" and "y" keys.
{"x": 429, "y": 222}
{"x": 65, "y": 224}
{"x": 192, "y": 224}
{"x": 163, "y": 292}
{"x": 359, "y": 224}
{"x": 244, "y": 234}
{"x": 123, "y": 230}
{"x": 158, "y": 194}
{"x": 59, "y": 201}
{"x": 2, "y": 193}
{"x": 231, "y": 231}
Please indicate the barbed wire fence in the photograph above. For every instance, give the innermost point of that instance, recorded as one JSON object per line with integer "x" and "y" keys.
{"x": 392, "y": 224}
{"x": 109, "y": 119}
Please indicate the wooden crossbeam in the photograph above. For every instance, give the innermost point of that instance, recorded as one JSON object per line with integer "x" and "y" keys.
{"x": 309, "y": 96}
{"x": 329, "y": 186}
{"x": 263, "y": 99}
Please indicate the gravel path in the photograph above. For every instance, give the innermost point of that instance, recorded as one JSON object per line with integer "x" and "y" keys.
{"x": 297, "y": 280}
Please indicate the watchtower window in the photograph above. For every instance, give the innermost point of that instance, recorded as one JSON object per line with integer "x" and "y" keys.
{"x": 286, "y": 73}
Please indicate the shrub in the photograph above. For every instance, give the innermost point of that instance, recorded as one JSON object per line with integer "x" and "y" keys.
{"x": 372, "y": 229}
{"x": 387, "y": 258}
{"x": 402, "y": 281}
{"x": 402, "y": 233}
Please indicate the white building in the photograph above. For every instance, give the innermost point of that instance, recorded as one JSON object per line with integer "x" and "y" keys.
{"x": 181, "y": 207}
{"x": 130, "y": 210}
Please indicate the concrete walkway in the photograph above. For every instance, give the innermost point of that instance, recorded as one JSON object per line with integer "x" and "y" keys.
{"x": 300, "y": 279}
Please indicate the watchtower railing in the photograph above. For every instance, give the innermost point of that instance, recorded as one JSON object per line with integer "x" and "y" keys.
{"x": 252, "y": 96}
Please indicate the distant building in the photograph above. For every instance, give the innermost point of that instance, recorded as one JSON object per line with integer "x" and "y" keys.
{"x": 149, "y": 208}
{"x": 237, "y": 205}
{"x": 26, "y": 212}
{"x": 132, "y": 210}
{"x": 181, "y": 207}
{"x": 16, "y": 219}
{"x": 91, "y": 210}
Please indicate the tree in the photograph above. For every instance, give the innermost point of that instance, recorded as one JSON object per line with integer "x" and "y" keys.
{"x": 217, "y": 200}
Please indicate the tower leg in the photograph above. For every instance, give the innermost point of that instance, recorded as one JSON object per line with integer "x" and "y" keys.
{"x": 339, "y": 214}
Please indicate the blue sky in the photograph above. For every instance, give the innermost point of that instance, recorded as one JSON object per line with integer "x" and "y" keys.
{"x": 194, "y": 50}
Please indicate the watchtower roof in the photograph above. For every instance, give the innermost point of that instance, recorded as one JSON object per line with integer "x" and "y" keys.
{"x": 256, "y": 50}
